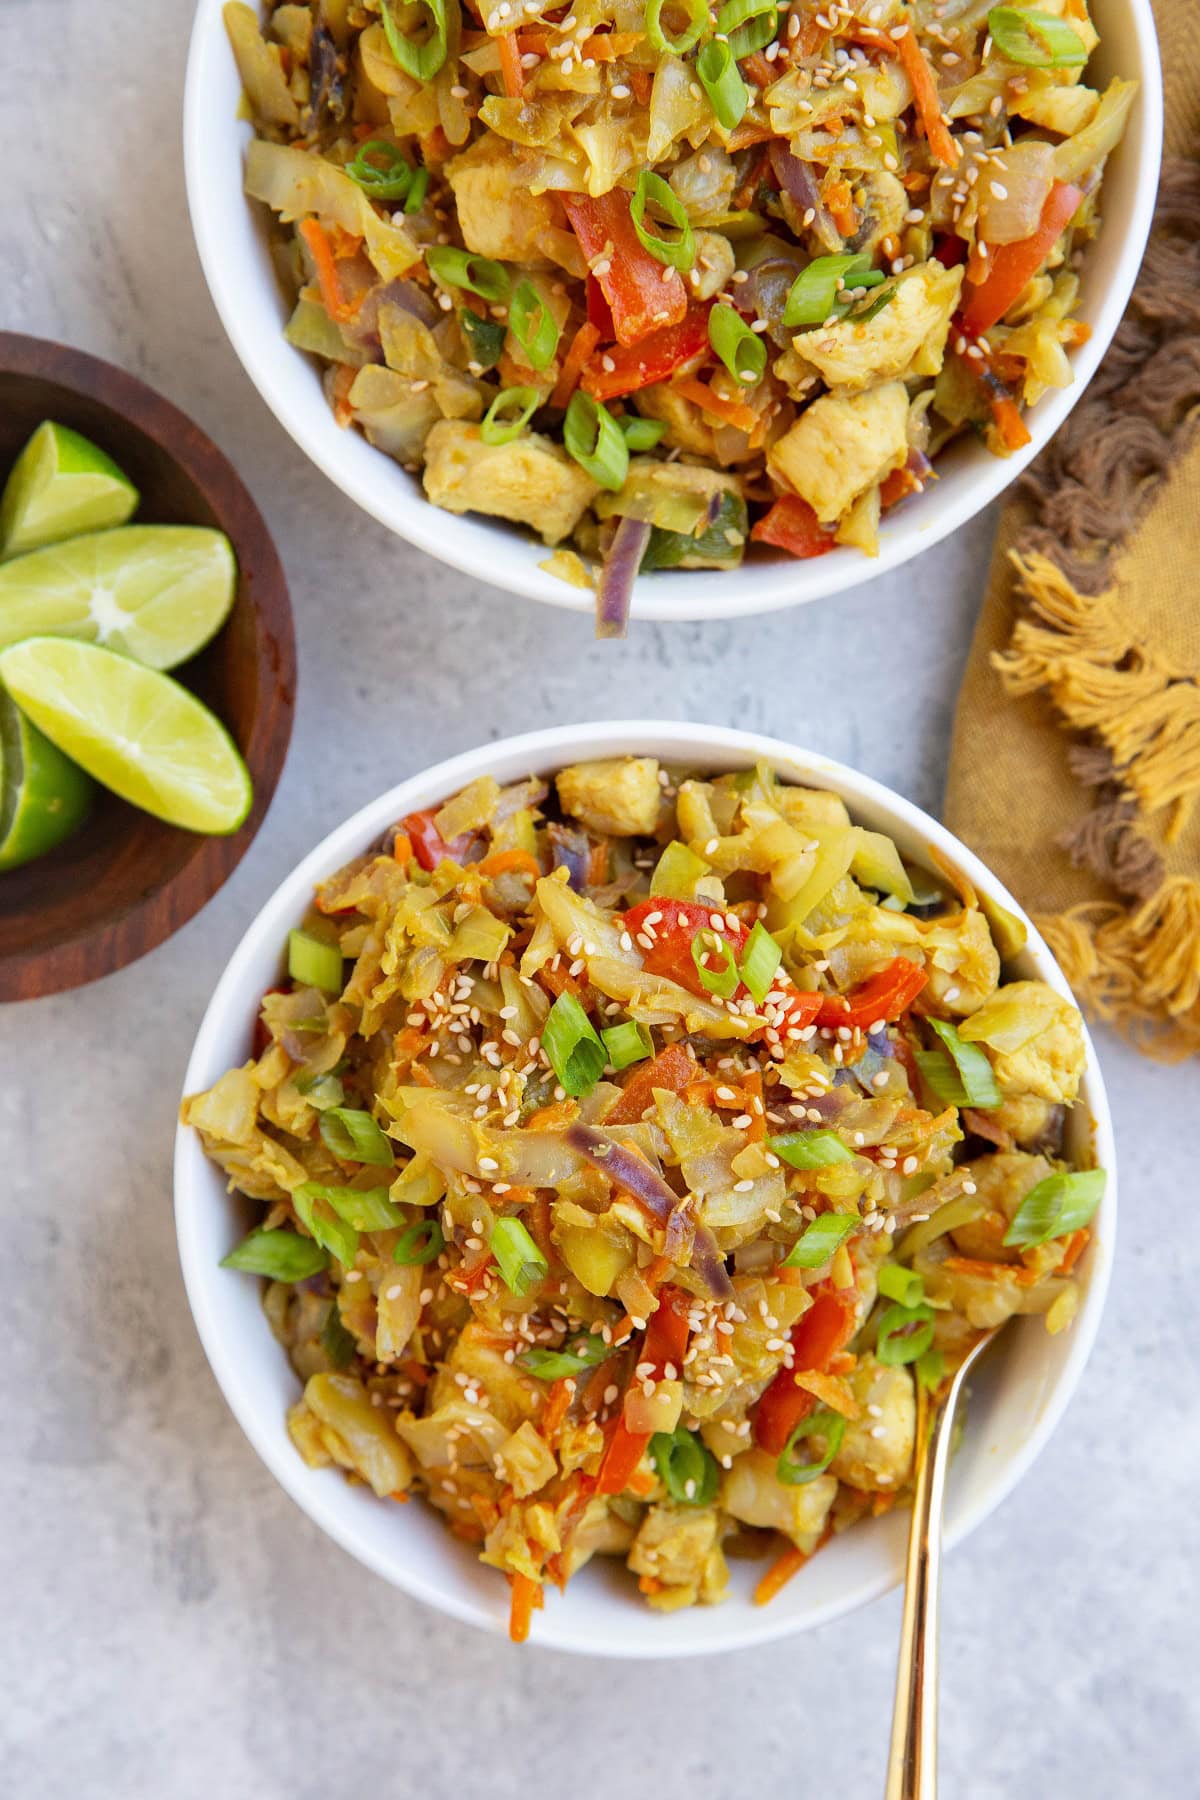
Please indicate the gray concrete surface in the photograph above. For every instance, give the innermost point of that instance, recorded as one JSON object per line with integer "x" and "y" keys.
{"x": 171, "y": 1626}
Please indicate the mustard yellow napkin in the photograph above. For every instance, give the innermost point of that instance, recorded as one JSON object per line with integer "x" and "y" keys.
{"x": 1075, "y": 767}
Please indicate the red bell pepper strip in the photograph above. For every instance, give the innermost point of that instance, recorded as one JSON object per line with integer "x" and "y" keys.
{"x": 792, "y": 525}
{"x": 429, "y": 846}
{"x": 669, "y": 953}
{"x": 642, "y": 292}
{"x": 599, "y": 312}
{"x": 1013, "y": 266}
{"x": 665, "y": 1342}
{"x": 658, "y": 356}
{"x": 885, "y": 995}
{"x": 825, "y": 1328}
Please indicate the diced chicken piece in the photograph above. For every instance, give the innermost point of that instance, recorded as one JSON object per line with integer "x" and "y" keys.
{"x": 529, "y": 480}
{"x": 841, "y": 446}
{"x": 961, "y": 960}
{"x": 1034, "y": 1039}
{"x": 497, "y": 214}
{"x": 621, "y": 795}
{"x": 688, "y": 428}
{"x": 876, "y": 1451}
{"x": 1001, "y": 1182}
{"x": 752, "y": 1492}
{"x": 678, "y": 1547}
{"x": 714, "y": 264}
{"x": 907, "y": 338}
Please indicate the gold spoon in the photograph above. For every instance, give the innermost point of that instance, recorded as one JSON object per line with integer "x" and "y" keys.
{"x": 912, "y": 1759}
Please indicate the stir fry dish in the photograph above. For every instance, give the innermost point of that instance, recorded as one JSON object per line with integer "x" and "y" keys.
{"x": 659, "y": 278}
{"x": 629, "y": 1149}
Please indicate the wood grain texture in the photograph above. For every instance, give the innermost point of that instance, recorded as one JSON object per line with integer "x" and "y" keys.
{"x": 127, "y": 881}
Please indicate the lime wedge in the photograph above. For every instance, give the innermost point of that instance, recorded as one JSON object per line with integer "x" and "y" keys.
{"x": 43, "y": 794}
{"x": 137, "y": 731}
{"x": 154, "y": 592}
{"x": 61, "y": 484}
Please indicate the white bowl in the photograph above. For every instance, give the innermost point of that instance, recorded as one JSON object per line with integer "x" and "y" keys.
{"x": 231, "y": 235}
{"x": 1017, "y": 1400}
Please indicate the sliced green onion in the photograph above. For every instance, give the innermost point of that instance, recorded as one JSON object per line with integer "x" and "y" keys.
{"x": 339, "y": 1238}
{"x": 723, "y": 982}
{"x": 279, "y": 1255}
{"x": 815, "y": 293}
{"x": 421, "y": 1243}
{"x": 640, "y": 434}
{"x": 904, "y": 1285}
{"x": 551, "y": 1365}
{"x": 760, "y": 959}
{"x": 740, "y": 349}
{"x": 418, "y": 191}
{"x": 1063, "y": 1202}
{"x": 686, "y": 1469}
{"x": 576, "y": 1054}
{"x": 975, "y": 1071}
{"x": 940, "y": 1076}
{"x": 533, "y": 325}
{"x": 818, "y": 1241}
{"x": 422, "y": 59}
{"x": 392, "y": 181}
{"x": 931, "y": 1369}
{"x": 521, "y": 1262}
{"x": 500, "y": 425}
{"x": 1039, "y": 40}
{"x": 314, "y": 962}
{"x": 689, "y": 37}
{"x": 825, "y": 1423}
{"x": 337, "y": 1343}
{"x": 727, "y": 92}
{"x": 321, "y": 1091}
{"x": 461, "y": 269}
{"x": 676, "y": 873}
{"x": 627, "y": 1043}
{"x": 897, "y": 1342}
{"x": 354, "y": 1136}
{"x": 680, "y": 252}
{"x": 748, "y": 24}
{"x": 593, "y": 437}
{"x": 809, "y": 1149}
{"x": 485, "y": 338}
{"x": 367, "y": 1209}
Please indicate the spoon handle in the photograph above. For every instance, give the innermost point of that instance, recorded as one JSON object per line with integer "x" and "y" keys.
{"x": 912, "y": 1759}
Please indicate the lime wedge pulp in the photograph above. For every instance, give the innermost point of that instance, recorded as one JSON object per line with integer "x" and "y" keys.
{"x": 61, "y": 484}
{"x": 44, "y": 796}
{"x": 153, "y": 592}
{"x": 137, "y": 731}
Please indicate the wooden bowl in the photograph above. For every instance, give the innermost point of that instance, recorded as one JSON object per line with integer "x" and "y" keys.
{"x": 126, "y": 881}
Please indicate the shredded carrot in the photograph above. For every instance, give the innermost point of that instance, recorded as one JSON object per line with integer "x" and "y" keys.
{"x": 842, "y": 1362}
{"x": 656, "y": 1272}
{"x": 407, "y": 1045}
{"x": 510, "y": 65}
{"x": 526, "y": 1595}
{"x": 562, "y": 1392}
{"x": 1076, "y": 1244}
{"x": 402, "y": 848}
{"x": 415, "y": 1371}
{"x": 344, "y": 243}
{"x": 839, "y": 202}
{"x": 748, "y": 135}
{"x": 758, "y": 69}
{"x": 811, "y": 38}
{"x": 831, "y": 1391}
{"x": 758, "y": 168}
{"x": 1013, "y": 430}
{"x": 642, "y": 83}
{"x": 552, "y": 1117}
{"x": 486, "y": 1510}
{"x": 469, "y": 1530}
{"x": 502, "y": 862}
{"x": 582, "y": 345}
{"x": 649, "y": 1584}
{"x": 399, "y": 1496}
{"x": 606, "y": 46}
{"x": 779, "y": 1574}
{"x": 925, "y": 96}
{"x": 321, "y": 251}
{"x": 970, "y": 1265}
{"x": 731, "y": 412}
{"x": 641, "y": 1483}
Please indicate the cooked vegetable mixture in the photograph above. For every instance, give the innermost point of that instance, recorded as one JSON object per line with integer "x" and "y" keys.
{"x": 654, "y": 279}
{"x": 630, "y": 1151}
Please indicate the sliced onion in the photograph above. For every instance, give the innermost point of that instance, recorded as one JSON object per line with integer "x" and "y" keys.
{"x": 1013, "y": 192}
{"x": 659, "y": 1199}
{"x": 764, "y": 294}
{"x": 614, "y": 595}
{"x": 799, "y": 183}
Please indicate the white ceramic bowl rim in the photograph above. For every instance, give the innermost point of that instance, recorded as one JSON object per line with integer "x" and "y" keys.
{"x": 231, "y": 243}
{"x": 586, "y": 1619}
